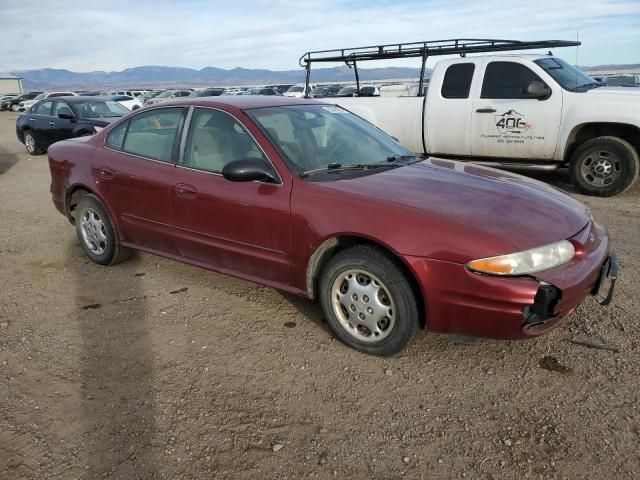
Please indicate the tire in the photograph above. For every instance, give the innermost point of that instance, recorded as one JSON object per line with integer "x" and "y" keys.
{"x": 604, "y": 166}
{"x": 15, "y": 108}
{"x": 350, "y": 281}
{"x": 96, "y": 233}
{"x": 31, "y": 143}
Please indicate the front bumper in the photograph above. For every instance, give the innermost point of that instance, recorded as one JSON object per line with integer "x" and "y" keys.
{"x": 458, "y": 301}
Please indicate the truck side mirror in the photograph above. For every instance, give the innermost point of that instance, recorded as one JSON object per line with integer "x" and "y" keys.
{"x": 537, "y": 89}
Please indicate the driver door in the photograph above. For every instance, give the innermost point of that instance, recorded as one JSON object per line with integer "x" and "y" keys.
{"x": 236, "y": 227}
{"x": 506, "y": 123}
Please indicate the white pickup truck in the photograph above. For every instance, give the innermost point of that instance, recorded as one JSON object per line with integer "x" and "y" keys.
{"x": 519, "y": 111}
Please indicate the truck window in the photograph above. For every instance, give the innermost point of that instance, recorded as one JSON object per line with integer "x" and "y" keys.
{"x": 506, "y": 80}
{"x": 457, "y": 80}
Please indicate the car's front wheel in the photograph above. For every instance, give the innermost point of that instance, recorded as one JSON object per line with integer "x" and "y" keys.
{"x": 32, "y": 143}
{"x": 368, "y": 300}
{"x": 604, "y": 166}
{"x": 97, "y": 234}
{"x": 15, "y": 107}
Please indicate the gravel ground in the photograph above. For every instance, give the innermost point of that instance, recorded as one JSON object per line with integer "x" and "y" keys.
{"x": 154, "y": 369}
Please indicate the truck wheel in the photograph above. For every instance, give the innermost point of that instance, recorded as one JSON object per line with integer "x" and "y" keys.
{"x": 96, "y": 233}
{"x": 368, "y": 301}
{"x": 31, "y": 143}
{"x": 604, "y": 166}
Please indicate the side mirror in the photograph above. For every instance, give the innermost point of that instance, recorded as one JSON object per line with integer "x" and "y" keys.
{"x": 249, "y": 170}
{"x": 537, "y": 90}
{"x": 66, "y": 116}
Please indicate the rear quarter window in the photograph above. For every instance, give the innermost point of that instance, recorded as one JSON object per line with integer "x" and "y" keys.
{"x": 457, "y": 80}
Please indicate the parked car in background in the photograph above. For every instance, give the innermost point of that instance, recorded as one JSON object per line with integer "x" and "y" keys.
{"x": 128, "y": 93}
{"x": 13, "y": 103}
{"x": 369, "y": 91}
{"x": 150, "y": 94}
{"x": 207, "y": 92}
{"x": 347, "y": 92}
{"x": 325, "y": 91}
{"x": 254, "y": 193}
{"x": 58, "y": 118}
{"x": 280, "y": 88}
{"x": 26, "y": 104}
{"x": 298, "y": 91}
{"x": 168, "y": 95}
{"x": 128, "y": 102}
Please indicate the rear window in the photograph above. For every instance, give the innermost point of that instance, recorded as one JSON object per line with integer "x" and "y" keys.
{"x": 457, "y": 80}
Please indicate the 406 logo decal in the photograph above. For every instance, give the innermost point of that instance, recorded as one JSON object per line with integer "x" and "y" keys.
{"x": 511, "y": 122}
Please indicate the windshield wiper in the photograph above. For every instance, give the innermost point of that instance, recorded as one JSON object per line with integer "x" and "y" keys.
{"x": 338, "y": 167}
{"x": 400, "y": 158}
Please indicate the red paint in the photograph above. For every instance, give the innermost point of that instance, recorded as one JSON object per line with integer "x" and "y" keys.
{"x": 435, "y": 216}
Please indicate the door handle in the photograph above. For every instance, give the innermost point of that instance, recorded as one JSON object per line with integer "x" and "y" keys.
{"x": 185, "y": 190}
{"x": 486, "y": 110}
{"x": 106, "y": 173}
{"x": 52, "y": 123}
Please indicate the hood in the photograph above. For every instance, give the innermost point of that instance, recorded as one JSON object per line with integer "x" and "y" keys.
{"x": 632, "y": 92}
{"x": 100, "y": 122}
{"x": 477, "y": 211}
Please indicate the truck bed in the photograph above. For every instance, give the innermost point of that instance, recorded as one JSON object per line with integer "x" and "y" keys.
{"x": 401, "y": 117}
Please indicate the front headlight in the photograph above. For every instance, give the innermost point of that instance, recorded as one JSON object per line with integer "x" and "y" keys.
{"x": 529, "y": 261}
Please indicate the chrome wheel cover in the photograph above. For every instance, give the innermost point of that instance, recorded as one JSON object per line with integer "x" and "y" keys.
{"x": 93, "y": 231}
{"x": 30, "y": 143}
{"x": 601, "y": 168}
{"x": 363, "y": 306}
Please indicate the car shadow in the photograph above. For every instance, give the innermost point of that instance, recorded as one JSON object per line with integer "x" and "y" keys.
{"x": 116, "y": 362}
{"x": 7, "y": 159}
{"x": 309, "y": 309}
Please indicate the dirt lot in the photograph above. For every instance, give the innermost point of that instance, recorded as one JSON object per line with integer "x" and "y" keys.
{"x": 154, "y": 369}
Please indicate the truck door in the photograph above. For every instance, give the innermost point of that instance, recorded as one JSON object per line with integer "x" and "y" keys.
{"x": 448, "y": 109}
{"x": 509, "y": 123}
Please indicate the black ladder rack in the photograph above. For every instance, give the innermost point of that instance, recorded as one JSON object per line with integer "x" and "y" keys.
{"x": 460, "y": 46}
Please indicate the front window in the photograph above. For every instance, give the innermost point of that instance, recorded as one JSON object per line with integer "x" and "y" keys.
{"x": 296, "y": 89}
{"x": 507, "y": 80}
{"x": 215, "y": 139}
{"x": 313, "y": 137}
{"x": 101, "y": 109}
{"x": 569, "y": 77}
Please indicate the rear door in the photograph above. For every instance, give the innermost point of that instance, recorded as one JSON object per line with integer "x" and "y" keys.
{"x": 133, "y": 172}
{"x": 38, "y": 119}
{"x": 236, "y": 227}
{"x": 506, "y": 122}
{"x": 448, "y": 108}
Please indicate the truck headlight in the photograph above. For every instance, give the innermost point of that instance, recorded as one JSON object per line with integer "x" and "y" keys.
{"x": 529, "y": 261}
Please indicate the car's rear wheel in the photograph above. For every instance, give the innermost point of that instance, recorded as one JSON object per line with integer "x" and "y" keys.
{"x": 31, "y": 143}
{"x": 604, "y": 166}
{"x": 368, "y": 300}
{"x": 96, "y": 233}
{"x": 15, "y": 108}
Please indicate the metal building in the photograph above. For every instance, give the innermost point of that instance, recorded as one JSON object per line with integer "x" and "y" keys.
{"x": 10, "y": 83}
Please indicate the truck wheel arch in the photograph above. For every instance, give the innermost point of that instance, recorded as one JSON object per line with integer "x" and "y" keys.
{"x": 587, "y": 131}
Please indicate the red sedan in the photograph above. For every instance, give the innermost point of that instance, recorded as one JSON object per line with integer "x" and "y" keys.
{"x": 309, "y": 198}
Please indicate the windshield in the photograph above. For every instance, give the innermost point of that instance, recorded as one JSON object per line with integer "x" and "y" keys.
{"x": 39, "y": 97}
{"x": 166, "y": 94}
{"x": 569, "y": 77}
{"x": 100, "y": 109}
{"x": 295, "y": 89}
{"x": 319, "y": 136}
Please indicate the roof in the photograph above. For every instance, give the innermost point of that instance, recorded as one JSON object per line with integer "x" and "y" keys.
{"x": 243, "y": 102}
{"x": 8, "y": 76}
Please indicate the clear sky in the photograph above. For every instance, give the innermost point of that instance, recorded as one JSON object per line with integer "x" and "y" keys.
{"x": 113, "y": 35}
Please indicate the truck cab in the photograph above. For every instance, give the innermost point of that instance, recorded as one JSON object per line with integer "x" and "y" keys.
{"x": 522, "y": 111}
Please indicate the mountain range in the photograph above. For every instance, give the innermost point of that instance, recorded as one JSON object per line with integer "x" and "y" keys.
{"x": 157, "y": 76}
